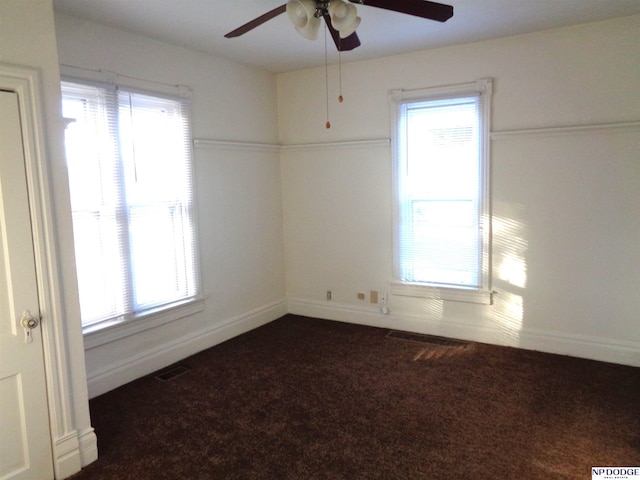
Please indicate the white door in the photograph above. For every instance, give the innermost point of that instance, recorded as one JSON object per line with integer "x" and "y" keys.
{"x": 25, "y": 440}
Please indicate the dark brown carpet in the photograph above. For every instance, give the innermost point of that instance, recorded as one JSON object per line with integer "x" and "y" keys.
{"x": 304, "y": 398}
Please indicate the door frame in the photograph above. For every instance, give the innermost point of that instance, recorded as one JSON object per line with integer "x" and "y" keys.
{"x": 71, "y": 449}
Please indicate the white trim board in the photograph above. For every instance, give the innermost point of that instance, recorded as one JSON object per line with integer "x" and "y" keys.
{"x": 587, "y": 129}
{"x": 153, "y": 359}
{"x": 581, "y": 346}
{"x": 67, "y": 456}
{"x": 386, "y": 142}
{"x": 272, "y": 147}
{"x": 236, "y": 146}
{"x": 156, "y": 358}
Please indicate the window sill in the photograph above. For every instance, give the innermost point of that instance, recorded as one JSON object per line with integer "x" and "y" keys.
{"x": 482, "y": 297}
{"x": 107, "y": 332}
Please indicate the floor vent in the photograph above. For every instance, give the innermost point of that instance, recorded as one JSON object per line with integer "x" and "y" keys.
{"x": 172, "y": 372}
{"x": 428, "y": 339}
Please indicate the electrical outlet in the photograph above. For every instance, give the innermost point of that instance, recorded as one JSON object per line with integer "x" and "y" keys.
{"x": 383, "y": 298}
{"x": 373, "y": 296}
{"x": 328, "y": 294}
{"x": 361, "y": 296}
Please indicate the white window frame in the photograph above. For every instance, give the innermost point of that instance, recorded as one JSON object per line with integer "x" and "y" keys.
{"x": 106, "y": 331}
{"x": 398, "y": 98}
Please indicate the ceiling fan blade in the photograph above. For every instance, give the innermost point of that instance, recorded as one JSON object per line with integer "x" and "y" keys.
{"x": 342, "y": 44}
{"x": 419, "y": 8}
{"x": 257, "y": 22}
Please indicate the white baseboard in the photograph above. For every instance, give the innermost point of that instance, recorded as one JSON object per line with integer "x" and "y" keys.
{"x": 88, "y": 446}
{"x": 594, "y": 348}
{"x": 126, "y": 370}
{"x": 66, "y": 455}
{"x": 150, "y": 360}
{"x": 74, "y": 451}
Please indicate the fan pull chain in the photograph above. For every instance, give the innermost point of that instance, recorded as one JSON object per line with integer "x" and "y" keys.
{"x": 326, "y": 76}
{"x": 340, "y": 99}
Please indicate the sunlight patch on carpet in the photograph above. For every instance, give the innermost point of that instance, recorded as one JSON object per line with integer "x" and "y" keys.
{"x": 437, "y": 347}
{"x": 424, "y": 338}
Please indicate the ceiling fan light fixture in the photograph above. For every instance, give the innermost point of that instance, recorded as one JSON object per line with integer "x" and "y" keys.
{"x": 351, "y": 28}
{"x": 344, "y": 17}
{"x": 310, "y": 30}
{"x": 301, "y": 13}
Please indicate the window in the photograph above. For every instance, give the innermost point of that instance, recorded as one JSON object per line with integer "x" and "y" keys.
{"x": 129, "y": 165}
{"x": 441, "y": 192}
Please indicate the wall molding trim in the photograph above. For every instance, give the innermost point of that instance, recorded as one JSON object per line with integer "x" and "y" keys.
{"x": 160, "y": 356}
{"x": 367, "y": 143}
{"x": 239, "y": 146}
{"x": 386, "y": 142}
{"x": 600, "y": 349}
{"x": 273, "y": 147}
{"x": 565, "y": 130}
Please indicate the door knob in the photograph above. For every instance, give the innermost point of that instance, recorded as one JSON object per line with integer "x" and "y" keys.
{"x": 29, "y": 322}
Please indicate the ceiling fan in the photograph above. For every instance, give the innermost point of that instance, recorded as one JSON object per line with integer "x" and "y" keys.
{"x": 341, "y": 17}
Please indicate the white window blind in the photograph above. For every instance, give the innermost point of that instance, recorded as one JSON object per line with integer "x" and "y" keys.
{"x": 130, "y": 175}
{"x": 441, "y": 190}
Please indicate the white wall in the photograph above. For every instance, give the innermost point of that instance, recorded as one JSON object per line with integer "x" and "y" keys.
{"x": 238, "y": 195}
{"x": 27, "y": 39}
{"x": 566, "y": 229}
{"x": 566, "y": 225}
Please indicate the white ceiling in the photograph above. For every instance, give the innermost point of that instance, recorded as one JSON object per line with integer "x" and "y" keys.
{"x": 277, "y": 47}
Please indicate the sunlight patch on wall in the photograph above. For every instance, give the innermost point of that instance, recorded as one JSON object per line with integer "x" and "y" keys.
{"x": 433, "y": 308}
{"x": 513, "y": 270}
{"x": 508, "y": 314}
{"x": 510, "y": 246}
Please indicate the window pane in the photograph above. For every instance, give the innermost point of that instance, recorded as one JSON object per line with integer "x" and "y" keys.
{"x": 155, "y": 159}
{"x": 160, "y": 254}
{"x": 158, "y": 189}
{"x": 445, "y": 243}
{"x": 129, "y": 162}
{"x": 95, "y": 190}
{"x": 100, "y": 272}
{"x": 440, "y": 168}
